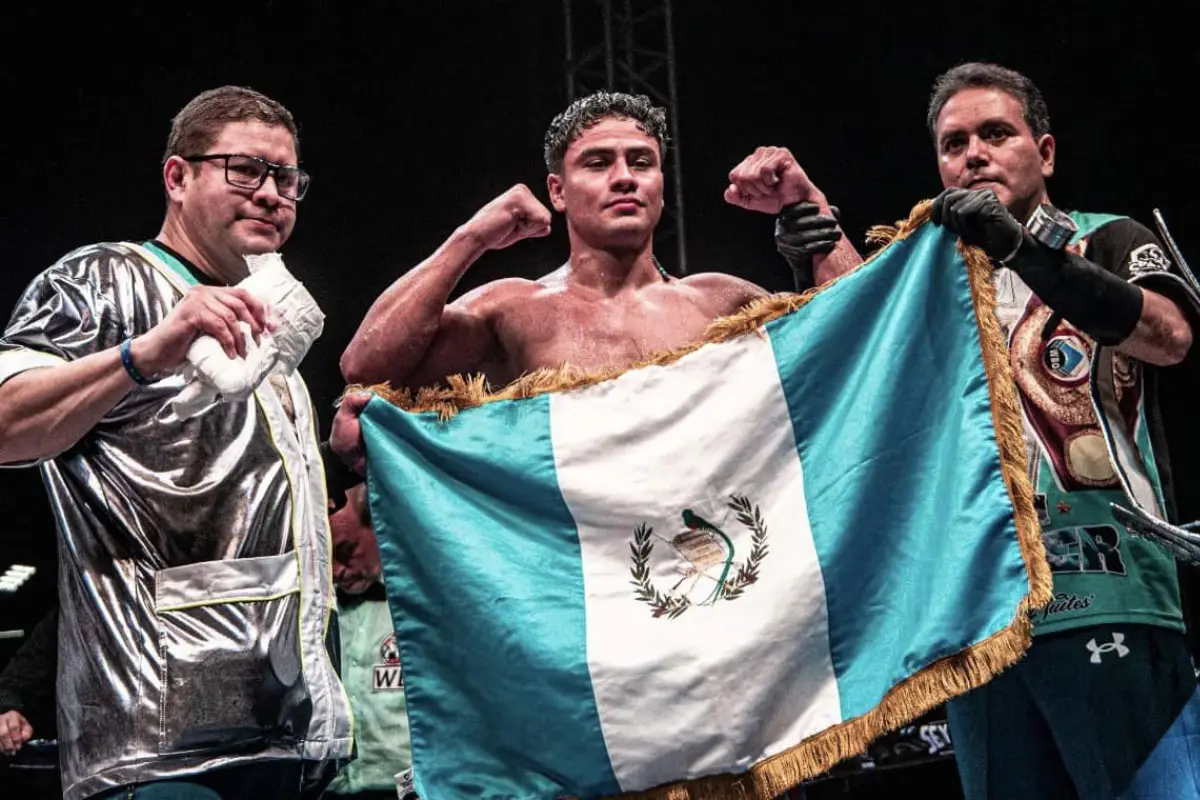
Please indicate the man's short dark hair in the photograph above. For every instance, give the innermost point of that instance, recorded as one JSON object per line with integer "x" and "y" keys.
{"x": 200, "y": 122}
{"x": 587, "y": 111}
{"x": 977, "y": 75}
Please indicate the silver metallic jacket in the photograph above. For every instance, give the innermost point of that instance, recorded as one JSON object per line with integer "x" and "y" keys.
{"x": 194, "y": 561}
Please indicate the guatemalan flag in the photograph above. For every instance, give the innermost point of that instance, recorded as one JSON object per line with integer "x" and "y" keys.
{"x": 718, "y": 574}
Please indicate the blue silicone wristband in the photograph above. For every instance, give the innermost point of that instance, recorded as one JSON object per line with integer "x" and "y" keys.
{"x": 127, "y": 363}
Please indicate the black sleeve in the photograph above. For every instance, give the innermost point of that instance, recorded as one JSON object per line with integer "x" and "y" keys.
{"x": 1112, "y": 245}
{"x": 28, "y": 680}
{"x": 1131, "y": 251}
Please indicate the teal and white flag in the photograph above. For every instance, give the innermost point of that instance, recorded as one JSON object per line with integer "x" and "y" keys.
{"x": 718, "y": 574}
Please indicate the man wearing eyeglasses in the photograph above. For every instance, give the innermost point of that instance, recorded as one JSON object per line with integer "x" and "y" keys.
{"x": 195, "y": 584}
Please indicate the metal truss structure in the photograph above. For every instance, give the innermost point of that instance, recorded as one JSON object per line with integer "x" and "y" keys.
{"x": 629, "y": 46}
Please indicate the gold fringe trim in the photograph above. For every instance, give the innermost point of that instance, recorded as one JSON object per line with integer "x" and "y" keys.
{"x": 886, "y": 234}
{"x": 931, "y": 686}
{"x": 463, "y": 392}
{"x": 1010, "y": 434}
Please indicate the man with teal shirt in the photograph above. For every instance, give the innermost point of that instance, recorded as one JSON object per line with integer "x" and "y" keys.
{"x": 1097, "y": 318}
{"x": 371, "y": 670}
{"x": 195, "y": 585}
{"x": 1103, "y": 706}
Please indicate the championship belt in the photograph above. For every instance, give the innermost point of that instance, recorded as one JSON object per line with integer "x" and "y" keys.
{"x": 1051, "y": 360}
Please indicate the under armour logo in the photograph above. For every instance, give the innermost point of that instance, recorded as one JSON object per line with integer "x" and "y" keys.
{"x": 1108, "y": 647}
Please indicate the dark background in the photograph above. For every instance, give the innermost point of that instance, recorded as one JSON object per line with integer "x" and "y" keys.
{"x": 413, "y": 115}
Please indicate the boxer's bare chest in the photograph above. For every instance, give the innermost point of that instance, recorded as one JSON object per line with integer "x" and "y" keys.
{"x": 556, "y": 327}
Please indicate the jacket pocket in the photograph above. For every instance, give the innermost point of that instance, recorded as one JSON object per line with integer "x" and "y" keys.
{"x": 228, "y": 640}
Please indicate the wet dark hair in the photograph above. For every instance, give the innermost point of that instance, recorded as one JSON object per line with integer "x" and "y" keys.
{"x": 979, "y": 75}
{"x": 200, "y": 122}
{"x": 587, "y": 111}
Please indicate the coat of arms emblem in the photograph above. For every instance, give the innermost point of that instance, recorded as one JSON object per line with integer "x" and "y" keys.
{"x": 706, "y": 556}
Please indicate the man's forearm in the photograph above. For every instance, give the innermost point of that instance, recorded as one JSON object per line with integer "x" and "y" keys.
{"x": 46, "y": 410}
{"x": 843, "y": 258}
{"x": 1162, "y": 335}
{"x": 400, "y": 325}
{"x": 837, "y": 263}
{"x": 1114, "y": 312}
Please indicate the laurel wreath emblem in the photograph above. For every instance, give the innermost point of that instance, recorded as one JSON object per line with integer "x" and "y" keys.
{"x": 671, "y": 605}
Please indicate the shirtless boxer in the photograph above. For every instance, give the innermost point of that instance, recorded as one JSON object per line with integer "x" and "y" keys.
{"x": 610, "y": 305}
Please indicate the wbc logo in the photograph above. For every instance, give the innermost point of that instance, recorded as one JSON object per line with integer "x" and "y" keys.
{"x": 1117, "y": 644}
{"x": 387, "y": 675}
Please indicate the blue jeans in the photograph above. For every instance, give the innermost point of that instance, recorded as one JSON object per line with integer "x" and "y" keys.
{"x": 1108, "y": 712}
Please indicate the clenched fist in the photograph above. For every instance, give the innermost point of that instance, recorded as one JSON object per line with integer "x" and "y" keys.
{"x": 767, "y": 180}
{"x": 511, "y": 217}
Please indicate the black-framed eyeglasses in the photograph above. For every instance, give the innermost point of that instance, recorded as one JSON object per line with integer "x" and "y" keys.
{"x": 251, "y": 172}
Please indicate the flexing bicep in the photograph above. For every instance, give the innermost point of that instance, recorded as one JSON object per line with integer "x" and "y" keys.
{"x": 465, "y": 344}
